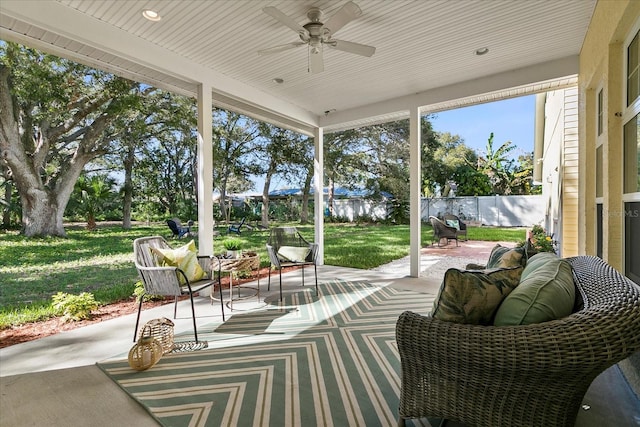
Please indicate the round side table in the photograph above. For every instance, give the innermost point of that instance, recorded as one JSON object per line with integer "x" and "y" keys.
{"x": 247, "y": 262}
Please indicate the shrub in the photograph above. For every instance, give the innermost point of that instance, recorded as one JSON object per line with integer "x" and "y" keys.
{"x": 74, "y": 307}
{"x": 541, "y": 241}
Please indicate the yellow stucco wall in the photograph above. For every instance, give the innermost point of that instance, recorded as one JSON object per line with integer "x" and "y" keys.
{"x": 601, "y": 67}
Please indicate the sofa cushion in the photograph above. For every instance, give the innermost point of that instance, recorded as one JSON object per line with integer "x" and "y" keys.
{"x": 504, "y": 257}
{"x": 546, "y": 292}
{"x": 473, "y": 296}
{"x": 185, "y": 258}
{"x": 294, "y": 253}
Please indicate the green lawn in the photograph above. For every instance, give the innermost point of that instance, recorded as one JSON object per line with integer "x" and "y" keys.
{"x": 100, "y": 262}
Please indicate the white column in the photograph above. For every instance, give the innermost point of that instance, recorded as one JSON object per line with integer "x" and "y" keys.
{"x": 205, "y": 171}
{"x": 318, "y": 204}
{"x": 415, "y": 221}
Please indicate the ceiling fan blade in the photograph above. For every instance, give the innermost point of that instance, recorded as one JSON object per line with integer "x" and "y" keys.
{"x": 316, "y": 62}
{"x": 351, "y": 47}
{"x": 285, "y": 19}
{"x": 342, "y": 17}
{"x": 280, "y": 48}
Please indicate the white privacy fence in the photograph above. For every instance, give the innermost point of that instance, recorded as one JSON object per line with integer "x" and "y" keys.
{"x": 354, "y": 208}
{"x": 501, "y": 211}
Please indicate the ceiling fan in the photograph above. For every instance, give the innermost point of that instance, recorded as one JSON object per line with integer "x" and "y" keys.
{"x": 316, "y": 34}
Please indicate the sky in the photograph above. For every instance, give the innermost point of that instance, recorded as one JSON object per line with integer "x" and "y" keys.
{"x": 509, "y": 120}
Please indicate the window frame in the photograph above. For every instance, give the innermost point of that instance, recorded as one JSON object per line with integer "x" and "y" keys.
{"x": 633, "y": 109}
{"x": 629, "y": 112}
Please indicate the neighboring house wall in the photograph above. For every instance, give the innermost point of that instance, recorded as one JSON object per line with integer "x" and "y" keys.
{"x": 602, "y": 67}
{"x": 560, "y": 168}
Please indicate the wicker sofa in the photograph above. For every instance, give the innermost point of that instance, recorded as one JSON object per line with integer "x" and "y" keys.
{"x": 530, "y": 375}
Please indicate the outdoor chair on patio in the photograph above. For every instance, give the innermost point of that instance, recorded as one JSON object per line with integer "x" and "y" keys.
{"x": 177, "y": 229}
{"x": 453, "y": 221}
{"x": 442, "y": 231}
{"x": 236, "y": 227}
{"x": 152, "y": 258}
{"x": 287, "y": 248}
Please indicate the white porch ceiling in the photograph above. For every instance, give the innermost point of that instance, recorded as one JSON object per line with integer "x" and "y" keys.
{"x": 425, "y": 54}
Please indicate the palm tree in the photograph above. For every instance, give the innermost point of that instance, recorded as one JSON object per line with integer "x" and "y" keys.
{"x": 497, "y": 166}
{"x": 94, "y": 191}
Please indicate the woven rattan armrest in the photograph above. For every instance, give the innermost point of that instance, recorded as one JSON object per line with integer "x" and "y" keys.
{"x": 548, "y": 347}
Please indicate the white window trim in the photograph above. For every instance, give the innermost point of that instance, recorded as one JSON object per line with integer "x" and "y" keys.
{"x": 634, "y": 108}
{"x": 628, "y": 112}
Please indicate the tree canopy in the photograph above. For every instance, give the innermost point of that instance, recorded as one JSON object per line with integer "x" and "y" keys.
{"x": 82, "y": 143}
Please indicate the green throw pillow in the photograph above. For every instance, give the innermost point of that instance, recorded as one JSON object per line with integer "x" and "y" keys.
{"x": 453, "y": 223}
{"x": 185, "y": 258}
{"x": 546, "y": 292}
{"x": 473, "y": 296}
{"x": 503, "y": 257}
{"x": 293, "y": 253}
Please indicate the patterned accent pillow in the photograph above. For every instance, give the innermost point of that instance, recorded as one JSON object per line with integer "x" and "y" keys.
{"x": 473, "y": 297}
{"x": 503, "y": 257}
{"x": 185, "y": 258}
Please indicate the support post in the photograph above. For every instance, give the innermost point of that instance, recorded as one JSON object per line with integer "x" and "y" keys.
{"x": 415, "y": 220}
{"x": 205, "y": 171}
{"x": 318, "y": 187}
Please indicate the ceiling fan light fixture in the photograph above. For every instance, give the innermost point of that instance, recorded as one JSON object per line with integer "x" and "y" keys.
{"x": 482, "y": 51}
{"x": 151, "y": 15}
{"x": 317, "y": 33}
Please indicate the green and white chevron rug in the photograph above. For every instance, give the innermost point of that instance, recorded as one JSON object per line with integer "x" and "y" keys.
{"x": 327, "y": 360}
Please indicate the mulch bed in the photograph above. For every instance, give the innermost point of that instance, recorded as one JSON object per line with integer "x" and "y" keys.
{"x": 33, "y": 331}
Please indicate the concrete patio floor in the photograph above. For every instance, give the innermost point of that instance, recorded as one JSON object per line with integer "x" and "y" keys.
{"x": 53, "y": 381}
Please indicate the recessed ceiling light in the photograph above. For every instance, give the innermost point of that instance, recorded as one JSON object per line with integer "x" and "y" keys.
{"x": 151, "y": 15}
{"x": 278, "y": 80}
{"x": 482, "y": 51}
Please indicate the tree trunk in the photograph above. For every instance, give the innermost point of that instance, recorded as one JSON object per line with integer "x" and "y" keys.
{"x": 91, "y": 222}
{"x": 8, "y": 192}
{"x": 128, "y": 187}
{"x": 265, "y": 192}
{"x": 265, "y": 201}
{"x": 6, "y": 213}
{"x": 304, "y": 211}
{"x": 40, "y": 214}
{"x": 331, "y": 196}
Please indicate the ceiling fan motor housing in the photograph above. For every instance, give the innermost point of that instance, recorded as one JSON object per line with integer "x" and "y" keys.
{"x": 315, "y": 34}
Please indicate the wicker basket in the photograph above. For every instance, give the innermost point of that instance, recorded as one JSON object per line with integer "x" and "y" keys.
{"x": 248, "y": 261}
{"x": 162, "y": 330}
{"x": 146, "y": 352}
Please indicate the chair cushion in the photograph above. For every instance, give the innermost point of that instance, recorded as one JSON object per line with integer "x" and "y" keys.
{"x": 185, "y": 258}
{"x": 294, "y": 253}
{"x": 546, "y": 292}
{"x": 504, "y": 257}
{"x": 474, "y": 296}
{"x": 453, "y": 223}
